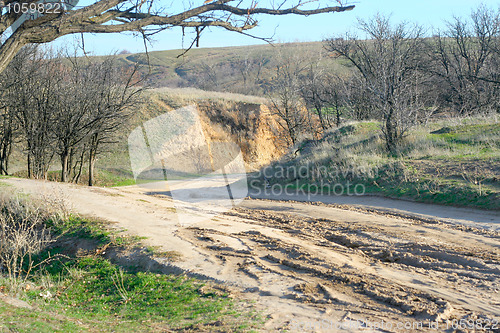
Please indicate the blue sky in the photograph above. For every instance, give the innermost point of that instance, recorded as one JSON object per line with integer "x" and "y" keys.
{"x": 430, "y": 13}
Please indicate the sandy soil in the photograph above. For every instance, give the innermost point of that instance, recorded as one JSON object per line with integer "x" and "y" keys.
{"x": 324, "y": 266}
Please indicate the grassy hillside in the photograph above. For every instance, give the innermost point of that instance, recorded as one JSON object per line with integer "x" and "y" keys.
{"x": 452, "y": 162}
{"x": 220, "y": 69}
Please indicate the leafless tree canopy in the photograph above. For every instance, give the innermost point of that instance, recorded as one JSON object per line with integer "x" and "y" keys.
{"x": 466, "y": 62}
{"x": 146, "y": 17}
{"x": 283, "y": 92}
{"x": 56, "y": 106}
{"x": 391, "y": 65}
{"x": 325, "y": 92}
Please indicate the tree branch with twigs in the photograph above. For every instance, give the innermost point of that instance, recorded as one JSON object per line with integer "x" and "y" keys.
{"x": 142, "y": 16}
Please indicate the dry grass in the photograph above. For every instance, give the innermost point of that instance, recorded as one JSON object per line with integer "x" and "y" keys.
{"x": 24, "y": 234}
{"x": 193, "y": 94}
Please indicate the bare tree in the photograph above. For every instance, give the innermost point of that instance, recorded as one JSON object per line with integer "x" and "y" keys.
{"x": 284, "y": 93}
{"x": 22, "y": 235}
{"x": 389, "y": 63}
{"x": 250, "y": 67}
{"x": 65, "y": 106}
{"x": 72, "y": 112}
{"x": 244, "y": 66}
{"x": 115, "y": 94}
{"x": 85, "y": 84}
{"x": 312, "y": 90}
{"x": 9, "y": 126}
{"x": 325, "y": 92}
{"x": 465, "y": 62}
{"x": 7, "y": 130}
{"x": 145, "y": 17}
{"x": 208, "y": 78}
{"x": 359, "y": 101}
{"x": 34, "y": 101}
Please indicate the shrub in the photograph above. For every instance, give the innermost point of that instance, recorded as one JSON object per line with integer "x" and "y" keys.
{"x": 23, "y": 234}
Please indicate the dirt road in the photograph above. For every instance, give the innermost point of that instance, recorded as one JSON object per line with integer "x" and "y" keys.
{"x": 323, "y": 267}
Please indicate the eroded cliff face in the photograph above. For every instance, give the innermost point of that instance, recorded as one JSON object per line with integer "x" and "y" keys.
{"x": 249, "y": 125}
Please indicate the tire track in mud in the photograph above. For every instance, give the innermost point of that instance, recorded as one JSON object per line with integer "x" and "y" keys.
{"x": 348, "y": 266}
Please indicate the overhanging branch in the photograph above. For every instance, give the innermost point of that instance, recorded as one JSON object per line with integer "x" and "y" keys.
{"x": 114, "y": 16}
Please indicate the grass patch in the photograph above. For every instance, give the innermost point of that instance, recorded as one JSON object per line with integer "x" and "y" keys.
{"x": 13, "y": 319}
{"x": 454, "y": 162}
{"x": 91, "y": 293}
{"x": 109, "y": 298}
{"x": 104, "y": 177}
{"x": 158, "y": 252}
{"x": 82, "y": 228}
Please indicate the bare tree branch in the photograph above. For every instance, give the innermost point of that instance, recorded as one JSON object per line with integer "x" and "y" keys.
{"x": 114, "y": 16}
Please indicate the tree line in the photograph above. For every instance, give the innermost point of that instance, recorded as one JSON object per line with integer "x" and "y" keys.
{"x": 60, "y": 106}
{"x": 394, "y": 73}
{"x": 69, "y": 108}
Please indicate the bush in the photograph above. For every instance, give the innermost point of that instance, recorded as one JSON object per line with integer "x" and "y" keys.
{"x": 23, "y": 234}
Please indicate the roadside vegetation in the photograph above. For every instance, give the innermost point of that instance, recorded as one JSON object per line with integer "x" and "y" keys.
{"x": 56, "y": 266}
{"x": 450, "y": 161}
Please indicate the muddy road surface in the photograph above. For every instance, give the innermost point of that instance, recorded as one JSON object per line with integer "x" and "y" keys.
{"x": 322, "y": 267}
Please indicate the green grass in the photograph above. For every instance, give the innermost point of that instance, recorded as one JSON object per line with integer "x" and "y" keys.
{"x": 113, "y": 177}
{"x": 426, "y": 190}
{"x": 2, "y": 184}
{"x": 96, "y": 291}
{"x": 90, "y": 293}
{"x": 14, "y": 319}
{"x": 76, "y": 227}
{"x": 82, "y": 228}
{"x": 432, "y": 189}
{"x": 104, "y": 177}
{"x": 157, "y": 252}
{"x": 454, "y": 162}
{"x": 469, "y": 141}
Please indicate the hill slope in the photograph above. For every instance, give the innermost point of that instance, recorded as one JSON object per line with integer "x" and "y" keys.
{"x": 241, "y": 69}
{"x": 452, "y": 162}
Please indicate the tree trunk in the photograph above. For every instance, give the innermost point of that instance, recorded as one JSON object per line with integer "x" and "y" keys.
{"x": 4, "y": 158}
{"x": 64, "y": 167}
{"x": 91, "y": 168}
{"x": 70, "y": 164}
{"x": 3, "y": 168}
{"x": 291, "y": 132}
{"x": 78, "y": 174}
{"x": 93, "y": 148}
{"x": 9, "y": 50}
{"x": 29, "y": 164}
{"x": 337, "y": 110}
{"x": 320, "y": 116}
{"x": 390, "y": 132}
